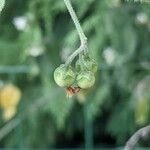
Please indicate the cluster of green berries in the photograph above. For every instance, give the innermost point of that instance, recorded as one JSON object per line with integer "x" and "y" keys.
{"x": 83, "y": 75}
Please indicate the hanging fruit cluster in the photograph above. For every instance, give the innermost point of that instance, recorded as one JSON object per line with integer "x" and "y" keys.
{"x": 80, "y": 77}
{"x": 83, "y": 75}
{"x": 10, "y": 96}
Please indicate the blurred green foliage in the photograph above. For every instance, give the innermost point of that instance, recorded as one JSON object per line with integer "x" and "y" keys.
{"x": 39, "y": 34}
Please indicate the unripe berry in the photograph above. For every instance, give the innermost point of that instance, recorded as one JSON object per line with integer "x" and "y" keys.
{"x": 64, "y": 76}
{"x": 85, "y": 79}
{"x": 78, "y": 65}
{"x": 88, "y": 63}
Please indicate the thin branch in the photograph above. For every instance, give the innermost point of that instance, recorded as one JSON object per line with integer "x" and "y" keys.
{"x": 73, "y": 55}
{"x": 140, "y": 134}
{"x": 83, "y": 38}
{"x": 75, "y": 19}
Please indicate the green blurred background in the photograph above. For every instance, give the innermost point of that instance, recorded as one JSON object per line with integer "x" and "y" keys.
{"x": 36, "y": 36}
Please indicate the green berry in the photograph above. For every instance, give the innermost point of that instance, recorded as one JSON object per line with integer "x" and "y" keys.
{"x": 78, "y": 65}
{"x": 88, "y": 63}
{"x": 91, "y": 64}
{"x": 64, "y": 76}
{"x": 85, "y": 79}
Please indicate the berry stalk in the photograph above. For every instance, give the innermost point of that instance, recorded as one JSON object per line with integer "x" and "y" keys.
{"x": 83, "y": 38}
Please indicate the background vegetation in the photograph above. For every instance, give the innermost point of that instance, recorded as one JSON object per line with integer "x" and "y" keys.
{"x": 37, "y": 35}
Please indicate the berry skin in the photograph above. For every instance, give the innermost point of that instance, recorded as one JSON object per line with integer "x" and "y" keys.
{"x": 85, "y": 79}
{"x": 78, "y": 65}
{"x": 64, "y": 76}
{"x": 88, "y": 63}
{"x": 91, "y": 64}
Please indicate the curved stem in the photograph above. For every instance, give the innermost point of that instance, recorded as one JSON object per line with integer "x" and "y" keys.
{"x": 83, "y": 38}
{"x": 141, "y": 133}
{"x": 75, "y": 19}
{"x": 73, "y": 55}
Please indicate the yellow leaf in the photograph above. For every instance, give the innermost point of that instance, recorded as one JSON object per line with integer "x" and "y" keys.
{"x": 9, "y": 96}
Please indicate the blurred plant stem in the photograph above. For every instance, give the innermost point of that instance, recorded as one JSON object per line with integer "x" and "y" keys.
{"x": 88, "y": 128}
{"x": 83, "y": 38}
{"x": 15, "y": 69}
{"x": 140, "y": 134}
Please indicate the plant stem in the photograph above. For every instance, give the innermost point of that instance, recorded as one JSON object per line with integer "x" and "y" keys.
{"x": 88, "y": 127}
{"x": 83, "y": 38}
{"x": 141, "y": 133}
{"x": 76, "y": 21}
{"x": 74, "y": 54}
